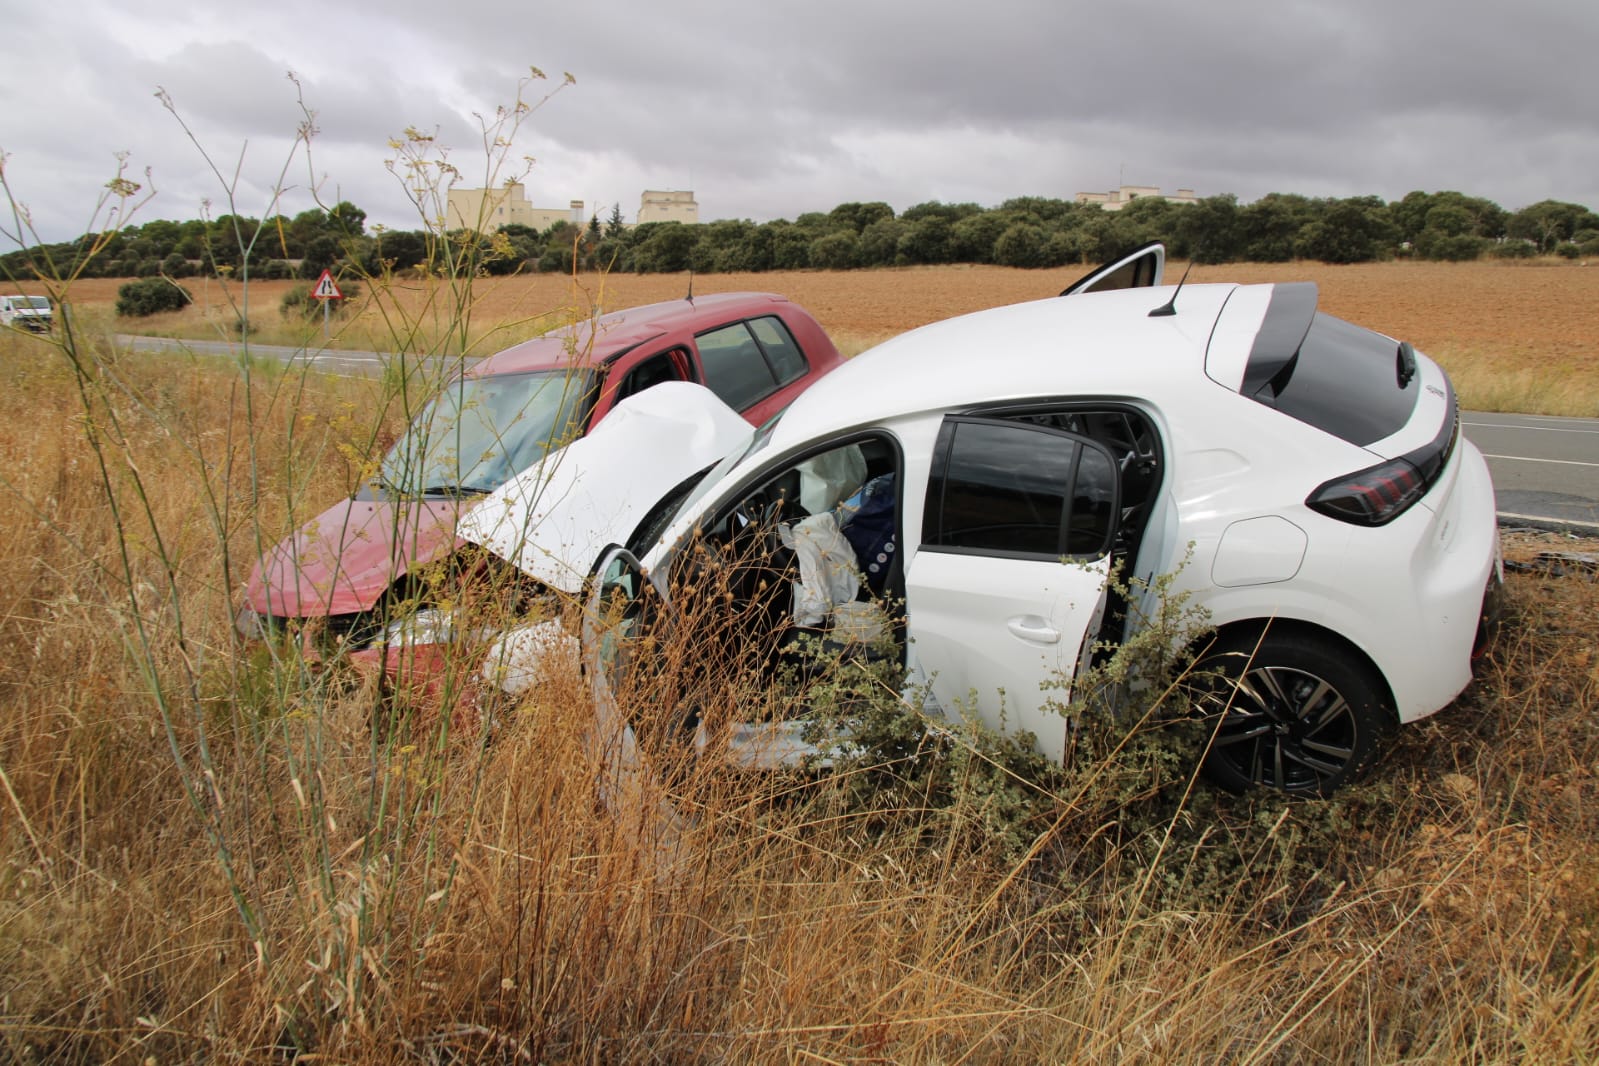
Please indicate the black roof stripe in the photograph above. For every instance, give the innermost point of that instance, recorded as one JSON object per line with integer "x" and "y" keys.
{"x": 1288, "y": 318}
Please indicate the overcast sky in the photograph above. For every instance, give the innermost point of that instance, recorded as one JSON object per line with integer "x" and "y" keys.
{"x": 768, "y": 109}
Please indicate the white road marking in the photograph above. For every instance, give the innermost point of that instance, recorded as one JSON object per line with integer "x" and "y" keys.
{"x": 1530, "y": 459}
{"x": 1551, "y": 418}
{"x": 1529, "y": 429}
{"x": 1514, "y": 517}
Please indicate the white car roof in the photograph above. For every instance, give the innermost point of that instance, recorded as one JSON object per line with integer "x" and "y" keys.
{"x": 1092, "y": 344}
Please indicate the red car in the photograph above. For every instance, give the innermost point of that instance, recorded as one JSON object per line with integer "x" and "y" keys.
{"x": 349, "y": 565}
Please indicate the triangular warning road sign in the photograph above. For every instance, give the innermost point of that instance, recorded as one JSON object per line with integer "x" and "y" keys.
{"x": 326, "y": 289}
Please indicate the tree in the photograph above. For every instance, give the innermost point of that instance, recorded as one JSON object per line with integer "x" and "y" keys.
{"x": 879, "y": 244}
{"x": 927, "y": 239}
{"x": 1450, "y": 220}
{"x": 754, "y": 252}
{"x": 558, "y": 251}
{"x": 1065, "y": 246}
{"x": 1459, "y": 248}
{"x": 1410, "y": 214}
{"x": 615, "y": 228}
{"x": 158, "y": 237}
{"x": 301, "y": 231}
{"x": 1267, "y": 228}
{"x": 344, "y": 219}
{"x": 728, "y": 245}
{"x": 972, "y": 238}
{"x": 517, "y": 244}
{"x": 1021, "y": 245}
{"x": 320, "y": 255}
{"x": 1353, "y": 230}
{"x": 1548, "y": 222}
{"x": 1210, "y": 231}
{"x": 1461, "y": 215}
{"x": 1146, "y": 219}
{"x": 835, "y": 251}
{"x": 1450, "y": 234}
{"x": 664, "y": 247}
{"x": 858, "y": 216}
{"x": 951, "y": 213}
{"x": 1041, "y": 208}
{"x": 791, "y": 245}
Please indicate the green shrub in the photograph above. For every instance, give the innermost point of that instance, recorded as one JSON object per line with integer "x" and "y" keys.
{"x": 1515, "y": 249}
{"x": 835, "y": 251}
{"x": 1132, "y": 750}
{"x": 1461, "y": 248}
{"x": 1022, "y": 245}
{"x": 149, "y": 296}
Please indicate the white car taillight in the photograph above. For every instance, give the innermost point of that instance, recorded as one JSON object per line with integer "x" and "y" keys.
{"x": 1371, "y": 497}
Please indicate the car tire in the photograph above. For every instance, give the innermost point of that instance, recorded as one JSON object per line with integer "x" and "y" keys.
{"x": 1291, "y": 712}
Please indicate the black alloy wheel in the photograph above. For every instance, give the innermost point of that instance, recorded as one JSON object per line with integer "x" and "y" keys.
{"x": 1295, "y": 714}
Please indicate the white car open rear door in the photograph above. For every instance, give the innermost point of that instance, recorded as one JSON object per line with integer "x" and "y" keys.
{"x": 991, "y": 633}
{"x": 1009, "y": 580}
{"x": 1142, "y": 268}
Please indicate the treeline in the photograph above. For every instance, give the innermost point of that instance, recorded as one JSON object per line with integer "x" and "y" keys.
{"x": 277, "y": 247}
{"x": 1023, "y": 232}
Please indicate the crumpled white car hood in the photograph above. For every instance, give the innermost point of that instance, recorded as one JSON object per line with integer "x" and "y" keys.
{"x": 555, "y": 518}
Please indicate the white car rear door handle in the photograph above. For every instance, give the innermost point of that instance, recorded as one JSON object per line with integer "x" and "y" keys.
{"x": 1032, "y": 628}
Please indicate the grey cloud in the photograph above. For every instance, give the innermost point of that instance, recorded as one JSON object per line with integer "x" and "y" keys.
{"x": 773, "y": 109}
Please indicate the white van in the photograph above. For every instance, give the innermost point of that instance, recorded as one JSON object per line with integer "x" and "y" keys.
{"x": 26, "y": 312}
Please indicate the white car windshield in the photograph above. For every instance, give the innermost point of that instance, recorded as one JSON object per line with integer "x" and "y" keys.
{"x": 480, "y": 432}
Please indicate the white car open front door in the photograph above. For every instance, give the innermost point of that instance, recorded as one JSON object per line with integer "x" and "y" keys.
{"x": 1008, "y": 582}
{"x": 1142, "y": 268}
{"x": 620, "y": 621}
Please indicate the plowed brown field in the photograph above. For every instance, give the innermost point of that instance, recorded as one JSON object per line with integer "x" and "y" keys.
{"x": 1515, "y": 335}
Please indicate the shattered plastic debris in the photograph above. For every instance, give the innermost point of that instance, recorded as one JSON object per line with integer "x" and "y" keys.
{"x": 1558, "y": 564}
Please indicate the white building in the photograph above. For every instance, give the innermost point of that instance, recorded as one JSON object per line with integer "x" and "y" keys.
{"x": 668, "y": 205}
{"x": 486, "y": 210}
{"x": 1119, "y": 198}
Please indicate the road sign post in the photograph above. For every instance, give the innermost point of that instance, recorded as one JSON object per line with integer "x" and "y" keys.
{"x": 326, "y": 289}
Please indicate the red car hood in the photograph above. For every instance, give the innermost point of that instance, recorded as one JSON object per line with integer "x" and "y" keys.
{"x": 343, "y": 560}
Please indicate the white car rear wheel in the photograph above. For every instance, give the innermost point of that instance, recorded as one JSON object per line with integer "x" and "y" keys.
{"x": 1292, "y": 713}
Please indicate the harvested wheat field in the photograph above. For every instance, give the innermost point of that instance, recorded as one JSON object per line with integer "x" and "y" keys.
{"x": 1516, "y": 336}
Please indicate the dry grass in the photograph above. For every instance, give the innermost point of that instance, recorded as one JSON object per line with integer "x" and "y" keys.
{"x": 210, "y": 854}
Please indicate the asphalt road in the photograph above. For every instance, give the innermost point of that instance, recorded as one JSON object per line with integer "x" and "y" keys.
{"x": 326, "y": 359}
{"x": 1545, "y": 469}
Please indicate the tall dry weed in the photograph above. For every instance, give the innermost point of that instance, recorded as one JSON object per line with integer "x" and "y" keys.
{"x": 211, "y": 851}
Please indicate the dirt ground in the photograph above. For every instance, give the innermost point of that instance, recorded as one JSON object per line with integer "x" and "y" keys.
{"x": 1539, "y": 314}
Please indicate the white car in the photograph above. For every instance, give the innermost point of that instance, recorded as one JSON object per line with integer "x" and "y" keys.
{"x": 1304, "y": 478}
{"x": 31, "y": 313}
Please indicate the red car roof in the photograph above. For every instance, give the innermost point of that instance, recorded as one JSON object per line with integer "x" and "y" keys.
{"x": 595, "y": 342}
